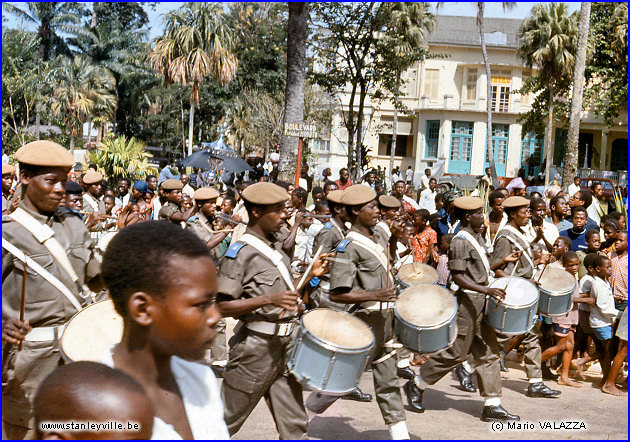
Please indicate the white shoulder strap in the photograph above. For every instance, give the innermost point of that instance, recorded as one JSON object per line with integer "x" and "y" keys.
{"x": 42, "y": 272}
{"x": 273, "y": 255}
{"x": 45, "y": 235}
{"x": 482, "y": 253}
{"x": 370, "y": 246}
{"x": 526, "y": 250}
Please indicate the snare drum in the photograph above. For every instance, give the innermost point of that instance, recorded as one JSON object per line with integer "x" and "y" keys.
{"x": 556, "y": 292}
{"x": 331, "y": 351}
{"x": 415, "y": 273}
{"x": 104, "y": 240}
{"x": 516, "y": 314}
{"x": 426, "y": 318}
{"x": 91, "y": 332}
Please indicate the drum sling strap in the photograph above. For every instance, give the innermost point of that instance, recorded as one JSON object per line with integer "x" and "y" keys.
{"x": 482, "y": 253}
{"x": 204, "y": 224}
{"x": 91, "y": 201}
{"x": 46, "y": 236}
{"x": 519, "y": 235}
{"x": 272, "y": 255}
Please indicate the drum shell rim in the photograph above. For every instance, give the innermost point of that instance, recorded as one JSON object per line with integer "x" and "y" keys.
{"x": 432, "y": 327}
{"x": 64, "y": 355}
{"x": 556, "y": 292}
{"x": 515, "y": 305}
{"x": 302, "y": 381}
{"x": 334, "y": 347}
{"x": 406, "y": 285}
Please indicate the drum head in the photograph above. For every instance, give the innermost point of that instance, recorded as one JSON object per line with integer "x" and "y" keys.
{"x": 520, "y": 291}
{"x": 417, "y": 273}
{"x": 104, "y": 240}
{"x": 91, "y": 332}
{"x": 337, "y": 328}
{"x": 556, "y": 280}
{"x": 426, "y": 305}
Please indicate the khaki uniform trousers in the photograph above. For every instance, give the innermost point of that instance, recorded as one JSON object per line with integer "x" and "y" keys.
{"x": 256, "y": 368}
{"x": 533, "y": 353}
{"x": 388, "y": 396}
{"x": 474, "y": 336}
{"x": 218, "y": 351}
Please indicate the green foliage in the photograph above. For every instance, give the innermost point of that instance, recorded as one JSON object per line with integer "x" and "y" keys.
{"x": 119, "y": 157}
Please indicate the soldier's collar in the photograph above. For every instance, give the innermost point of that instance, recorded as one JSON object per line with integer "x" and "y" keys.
{"x": 262, "y": 238}
{"x": 41, "y": 218}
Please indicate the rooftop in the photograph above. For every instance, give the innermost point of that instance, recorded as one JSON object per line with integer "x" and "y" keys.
{"x": 458, "y": 30}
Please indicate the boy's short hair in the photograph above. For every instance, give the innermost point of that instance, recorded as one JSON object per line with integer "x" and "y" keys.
{"x": 327, "y": 184}
{"x": 231, "y": 199}
{"x": 568, "y": 255}
{"x": 448, "y": 237}
{"x": 589, "y": 260}
{"x": 577, "y": 210}
{"x": 554, "y": 201}
{"x": 566, "y": 241}
{"x": 319, "y": 206}
{"x": 138, "y": 259}
{"x": 316, "y": 190}
{"x": 599, "y": 260}
{"x": 589, "y": 234}
{"x": 301, "y": 194}
{"x": 493, "y": 196}
{"x": 612, "y": 223}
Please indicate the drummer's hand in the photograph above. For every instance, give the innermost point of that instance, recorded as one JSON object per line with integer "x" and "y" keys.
{"x": 322, "y": 265}
{"x": 496, "y": 293}
{"x": 14, "y": 203}
{"x": 299, "y": 217}
{"x": 14, "y": 331}
{"x": 547, "y": 258}
{"x": 397, "y": 227}
{"x": 513, "y": 257}
{"x": 285, "y": 299}
{"x": 385, "y": 295}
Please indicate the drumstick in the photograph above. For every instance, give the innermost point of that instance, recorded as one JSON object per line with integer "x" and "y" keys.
{"x": 508, "y": 283}
{"x": 302, "y": 282}
{"x": 543, "y": 271}
{"x": 23, "y": 301}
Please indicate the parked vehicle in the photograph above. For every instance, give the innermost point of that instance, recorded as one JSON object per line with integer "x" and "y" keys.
{"x": 607, "y": 184}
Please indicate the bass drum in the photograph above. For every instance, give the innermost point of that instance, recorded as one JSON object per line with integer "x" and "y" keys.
{"x": 331, "y": 351}
{"x": 516, "y": 314}
{"x": 104, "y": 240}
{"x": 415, "y": 273}
{"x": 556, "y": 292}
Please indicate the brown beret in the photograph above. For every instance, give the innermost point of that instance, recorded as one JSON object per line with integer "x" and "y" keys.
{"x": 92, "y": 177}
{"x": 358, "y": 194}
{"x": 44, "y": 153}
{"x": 335, "y": 196}
{"x": 388, "y": 201}
{"x": 515, "y": 201}
{"x": 205, "y": 193}
{"x": 468, "y": 203}
{"x": 265, "y": 193}
{"x": 7, "y": 169}
{"x": 172, "y": 184}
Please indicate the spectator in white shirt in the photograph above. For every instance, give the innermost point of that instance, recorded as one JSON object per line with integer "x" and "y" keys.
{"x": 188, "y": 189}
{"x": 424, "y": 180}
{"x": 427, "y": 196}
{"x": 573, "y": 188}
{"x": 538, "y": 230}
{"x": 409, "y": 175}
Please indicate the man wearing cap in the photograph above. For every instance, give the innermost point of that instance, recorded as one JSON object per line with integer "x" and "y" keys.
{"x": 511, "y": 241}
{"x": 254, "y": 284}
{"x": 470, "y": 270}
{"x": 92, "y": 204}
{"x": 73, "y": 201}
{"x": 60, "y": 259}
{"x": 8, "y": 171}
{"x": 172, "y": 210}
{"x": 361, "y": 277}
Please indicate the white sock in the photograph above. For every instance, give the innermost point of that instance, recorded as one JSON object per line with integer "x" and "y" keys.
{"x": 403, "y": 363}
{"x": 467, "y": 367}
{"x": 398, "y": 431}
{"x": 420, "y": 382}
{"x": 492, "y": 402}
{"x": 535, "y": 380}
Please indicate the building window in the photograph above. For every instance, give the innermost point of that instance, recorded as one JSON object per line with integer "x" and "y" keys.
{"x": 320, "y": 145}
{"x": 385, "y": 145}
{"x": 471, "y": 85}
{"x": 410, "y": 78}
{"x": 531, "y": 154}
{"x": 433, "y": 133}
{"x": 499, "y": 143}
{"x": 431, "y": 83}
{"x": 461, "y": 141}
{"x": 501, "y": 82}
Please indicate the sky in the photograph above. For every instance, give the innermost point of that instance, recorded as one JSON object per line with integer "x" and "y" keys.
{"x": 493, "y": 9}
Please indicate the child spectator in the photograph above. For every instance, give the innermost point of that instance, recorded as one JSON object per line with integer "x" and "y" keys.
{"x": 560, "y": 246}
{"x": 404, "y": 252}
{"x": 320, "y": 208}
{"x": 593, "y": 243}
{"x": 303, "y": 251}
{"x": 603, "y": 311}
{"x": 425, "y": 239}
{"x": 610, "y": 229}
{"x": 584, "y": 330}
{"x": 88, "y": 391}
{"x": 619, "y": 277}
{"x": 537, "y": 254}
{"x": 622, "y": 333}
{"x": 564, "y": 327}
{"x": 577, "y": 232}
{"x": 620, "y": 218}
{"x": 444, "y": 273}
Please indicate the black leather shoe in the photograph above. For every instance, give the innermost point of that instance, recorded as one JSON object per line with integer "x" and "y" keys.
{"x": 494, "y": 413}
{"x": 464, "y": 378}
{"x": 405, "y": 373}
{"x": 541, "y": 390}
{"x": 218, "y": 370}
{"x": 414, "y": 397}
{"x": 548, "y": 374}
{"x": 358, "y": 395}
{"x": 502, "y": 362}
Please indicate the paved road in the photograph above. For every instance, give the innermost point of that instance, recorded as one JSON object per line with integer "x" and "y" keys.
{"x": 454, "y": 414}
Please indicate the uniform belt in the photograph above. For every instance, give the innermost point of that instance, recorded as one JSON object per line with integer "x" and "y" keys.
{"x": 43, "y": 334}
{"x": 324, "y": 284}
{"x": 270, "y": 328}
{"x": 378, "y": 306}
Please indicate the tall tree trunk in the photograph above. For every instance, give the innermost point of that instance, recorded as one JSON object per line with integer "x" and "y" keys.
{"x": 350, "y": 126}
{"x": 89, "y": 137}
{"x": 99, "y": 135}
{"x": 394, "y": 131}
{"x": 181, "y": 105}
{"x": 297, "y": 31}
{"x": 489, "y": 146}
{"x": 571, "y": 154}
{"x": 37, "y": 121}
{"x": 191, "y": 121}
{"x": 71, "y": 144}
{"x": 94, "y": 15}
{"x": 548, "y": 134}
{"x": 359, "y": 142}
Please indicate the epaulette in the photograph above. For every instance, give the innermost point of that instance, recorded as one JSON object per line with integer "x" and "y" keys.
{"x": 234, "y": 249}
{"x": 193, "y": 218}
{"x": 328, "y": 225}
{"x": 341, "y": 247}
{"x": 314, "y": 282}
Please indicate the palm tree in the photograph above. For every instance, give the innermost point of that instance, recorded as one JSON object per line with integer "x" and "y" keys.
{"x": 548, "y": 40}
{"x": 197, "y": 42}
{"x": 81, "y": 88}
{"x": 571, "y": 154}
{"x": 297, "y": 30}
{"x": 119, "y": 157}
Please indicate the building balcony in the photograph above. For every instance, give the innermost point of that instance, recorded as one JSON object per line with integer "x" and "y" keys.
{"x": 450, "y": 103}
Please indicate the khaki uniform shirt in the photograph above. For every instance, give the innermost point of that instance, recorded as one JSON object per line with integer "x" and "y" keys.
{"x": 463, "y": 258}
{"x": 358, "y": 269}
{"x": 329, "y": 236}
{"x": 89, "y": 203}
{"x": 5, "y": 203}
{"x": 168, "y": 210}
{"x": 503, "y": 247}
{"x": 246, "y": 273}
{"x": 201, "y": 226}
